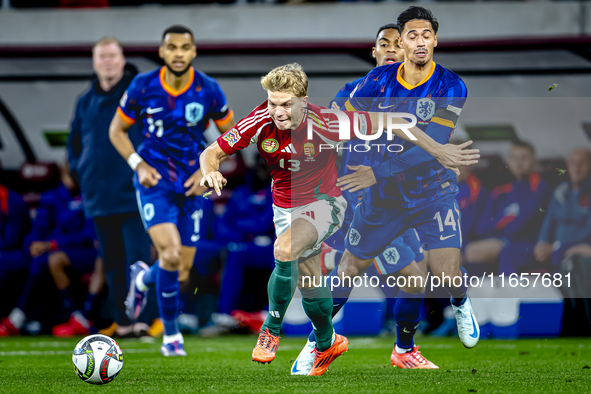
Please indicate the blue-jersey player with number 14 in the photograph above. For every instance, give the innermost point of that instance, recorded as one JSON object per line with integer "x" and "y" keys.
{"x": 400, "y": 258}
{"x": 413, "y": 190}
{"x": 174, "y": 105}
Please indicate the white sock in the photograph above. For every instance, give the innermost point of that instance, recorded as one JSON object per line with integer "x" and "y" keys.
{"x": 400, "y": 350}
{"x": 334, "y": 338}
{"x": 329, "y": 260}
{"x": 171, "y": 338}
{"x": 17, "y": 317}
{"x": 139, "y": 283}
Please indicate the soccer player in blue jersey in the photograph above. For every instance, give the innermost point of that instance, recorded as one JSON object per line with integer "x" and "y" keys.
{"x": 174, "y": 105}
{"x": 413, "y": 190}
{"x": 400, "y": 257}
{"x": 386, "y": 51}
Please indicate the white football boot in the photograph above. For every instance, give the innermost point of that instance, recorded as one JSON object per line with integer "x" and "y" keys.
{"x": 468, "y": 329}
{"x": 303, "y": 364}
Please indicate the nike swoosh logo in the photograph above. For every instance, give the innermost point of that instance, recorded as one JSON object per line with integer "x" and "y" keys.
{"x": 168, "y": 295}
{"x": 442, "y": 238}
{"x": 475, "y": 333}
{"x": 405, "y": 330}
{"x": 386, "y": 106}
{"x": 151, "y": 111}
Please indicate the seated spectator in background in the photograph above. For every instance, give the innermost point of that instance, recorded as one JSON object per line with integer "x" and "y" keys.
{"x": 14, "y": 225}
{"x": 61, "y": 237}
{"x": 566, "y": 230}
{"x": 507, "y": 228}
{"x": 471, "y": 198}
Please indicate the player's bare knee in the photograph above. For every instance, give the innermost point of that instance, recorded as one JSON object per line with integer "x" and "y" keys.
{"x": 57, "y": 261}
{"x": 352, "y": 266}
{"x": 170, "y": 258}
{"x": 282, "y": 251}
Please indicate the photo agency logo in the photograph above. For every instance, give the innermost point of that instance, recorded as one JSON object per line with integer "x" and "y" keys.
{"x": 391, "y": 120}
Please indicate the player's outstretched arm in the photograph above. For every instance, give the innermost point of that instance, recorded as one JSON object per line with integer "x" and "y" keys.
{"x": 209, "y": 161}
{"x": 449, "y": 155}
{"x": 147, "y": 175}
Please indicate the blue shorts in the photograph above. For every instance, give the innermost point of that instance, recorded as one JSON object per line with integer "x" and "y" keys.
{"x": 373, "y": 229}
{"x": 399, "y": 253}
{"x": 167, "y": 203}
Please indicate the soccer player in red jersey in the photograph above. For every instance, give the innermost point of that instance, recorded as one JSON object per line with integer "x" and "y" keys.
{"x": 307, "y": 204}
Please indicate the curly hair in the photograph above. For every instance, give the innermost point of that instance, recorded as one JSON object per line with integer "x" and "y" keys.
{"x": 290, "y": 78}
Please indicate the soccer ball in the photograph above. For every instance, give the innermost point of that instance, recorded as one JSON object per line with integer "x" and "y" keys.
{"x": 97, "y": 359}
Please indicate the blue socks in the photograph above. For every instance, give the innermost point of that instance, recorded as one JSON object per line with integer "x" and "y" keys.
{"x": 407, "y": 311}
{"x": 458, "y": 294}
{"x": 149, "y": 277}
{"x": 167, "y": 292}
{"x": 67, "y": 300}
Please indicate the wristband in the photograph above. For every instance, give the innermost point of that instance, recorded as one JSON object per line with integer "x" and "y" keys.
{"x": 133, "y": 160}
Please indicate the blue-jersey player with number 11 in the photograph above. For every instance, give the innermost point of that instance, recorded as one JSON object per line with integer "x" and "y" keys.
{"x": 174, "y": 105}
{"x": 413, "y": 189}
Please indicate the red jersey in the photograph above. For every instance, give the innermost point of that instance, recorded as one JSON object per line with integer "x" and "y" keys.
{"x": 302, "y": 170}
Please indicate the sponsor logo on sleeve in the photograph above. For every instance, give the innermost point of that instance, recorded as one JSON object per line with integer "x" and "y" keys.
{"x": 455, "y": 110}
{"x": 362, "y": 124}
{"x": 231, "y": 137}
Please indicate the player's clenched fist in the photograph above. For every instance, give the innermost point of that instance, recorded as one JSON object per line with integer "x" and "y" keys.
{"x": 214, "y": 179}
{"x": 148, "y": 176}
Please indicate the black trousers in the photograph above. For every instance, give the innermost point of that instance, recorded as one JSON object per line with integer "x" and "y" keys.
{"x": 123, "y": 241}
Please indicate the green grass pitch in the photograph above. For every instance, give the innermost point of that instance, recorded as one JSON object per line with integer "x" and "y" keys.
{"x": 43, "y": 365}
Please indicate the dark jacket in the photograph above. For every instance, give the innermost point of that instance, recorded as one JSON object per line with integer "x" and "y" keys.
{"x": 104, "y": 176}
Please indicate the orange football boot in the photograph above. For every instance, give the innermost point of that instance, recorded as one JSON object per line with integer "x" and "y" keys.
{"x": 323, "y": 359}
{"x": 266, "y": 348}
{"x": 412, "y": 360}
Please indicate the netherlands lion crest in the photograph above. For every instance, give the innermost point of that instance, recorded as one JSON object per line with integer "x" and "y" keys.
{"x": 425, "y": 108}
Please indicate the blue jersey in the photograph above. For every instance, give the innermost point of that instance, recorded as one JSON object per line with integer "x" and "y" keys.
{"x": 173, "y": 121}
{"x": 343, "y": 94}
{"x": 411, "y": 178}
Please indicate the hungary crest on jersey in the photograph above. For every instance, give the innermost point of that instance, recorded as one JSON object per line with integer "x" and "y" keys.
{"x": 270, "y": 145}
{"x": 309, "y": 149}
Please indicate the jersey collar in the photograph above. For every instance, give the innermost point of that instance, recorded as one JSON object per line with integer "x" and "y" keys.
{"x": 169, "y": 89}
{"x": 409, "y": 86}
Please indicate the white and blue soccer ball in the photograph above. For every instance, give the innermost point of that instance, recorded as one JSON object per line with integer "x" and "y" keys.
{"x": 97, "y": 359}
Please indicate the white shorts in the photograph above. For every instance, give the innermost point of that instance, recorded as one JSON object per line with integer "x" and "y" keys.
{"x": 325, "y": 215}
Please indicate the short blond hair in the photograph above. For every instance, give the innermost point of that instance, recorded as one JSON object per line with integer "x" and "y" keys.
{"x": 290, "y": 78}
{"x": 107, "y": 41}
